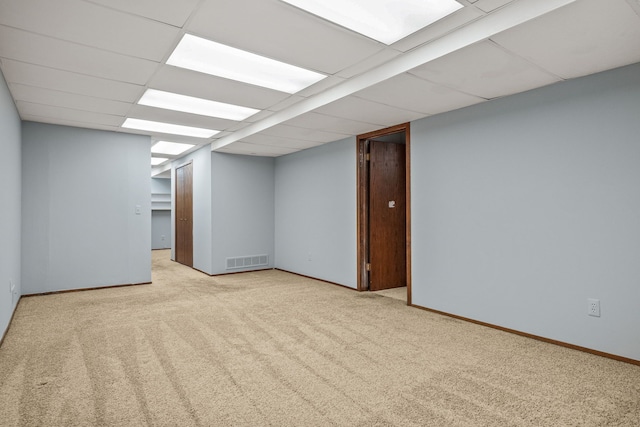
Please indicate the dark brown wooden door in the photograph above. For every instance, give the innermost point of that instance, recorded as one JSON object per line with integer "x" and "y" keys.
{"x": 387, "y": 216}
{"x": 184, "y": 215}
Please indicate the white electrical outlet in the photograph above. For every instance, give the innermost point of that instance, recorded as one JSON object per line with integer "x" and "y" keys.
{"x": 593, "y": 307}
{"x": 162, "y": 237}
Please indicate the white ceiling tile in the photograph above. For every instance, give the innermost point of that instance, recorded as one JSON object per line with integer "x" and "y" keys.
{"x": 362, "y": 110}
{"x": 437, "y": 29}
{"x": 224, "y": 132}
{"x": 244, "y": 152}
{"x": 236, "y": 127}
{"x": 635, "y": 5}
{"x": 291, "y": 100}
{"x": 92, "y": 25}
{"x": 258, "y": 116}
{"x": 67, "y": 114}
{"x": 171, "y": 12}
{"x": 303, "y": 134}
{"x": 366, "y": 64}
{"x": 489, "y": 5}
{"x": 192, "y": 83}
{"x": 412, "y": 93}
{"x": 485, "y": 70}
{"x": 59, "y": 81}
{"x": 318, "y": 121}
{"x": 240, "y": 147}
{"x": 220, "y": 135}
{"x": 61, "y": 122}
{"x": 280, "y": 31}
{"x": 176, "y": 117}
{"x": 65, "y": 81}
{"x": 35, "y": 49}
{"x": 321, "y": 86}
{"x": 585, "y": 37}
{"x": 276, "y": 141}
{"x": 55, "y": 98}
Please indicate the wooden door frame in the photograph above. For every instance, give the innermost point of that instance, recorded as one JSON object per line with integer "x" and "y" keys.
{"x": 363, "y": 203}
{"x": 175, "y": 209}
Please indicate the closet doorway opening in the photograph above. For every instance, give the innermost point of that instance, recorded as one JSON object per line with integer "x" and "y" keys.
{"x": 384, "y": 211}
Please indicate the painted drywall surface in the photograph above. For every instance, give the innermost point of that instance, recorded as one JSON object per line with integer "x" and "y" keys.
{"x": 160, "y": 229}
{"x": 524, "y": 207}
{"x": 160, "y": 214}
{"x": 316, "y": 212}
{"x": 242, "y": 214}
{"x": 10, "y": 213}
{"x": 81, "y": 190}
{"x": 201, "y": 161}
{"x": 160, "y": 186}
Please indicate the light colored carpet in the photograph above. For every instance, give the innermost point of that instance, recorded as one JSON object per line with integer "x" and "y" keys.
{"x": 395, "y": 293}
{"x": 274, "y": 349}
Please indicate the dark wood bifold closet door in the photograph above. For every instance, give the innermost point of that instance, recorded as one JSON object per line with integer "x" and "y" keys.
{"x": 387, "y": 216}
{"x": 184, "y": 215}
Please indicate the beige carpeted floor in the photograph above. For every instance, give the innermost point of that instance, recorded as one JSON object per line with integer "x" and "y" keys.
{"x": 396, "y": 293}
{"x": 274, "y": 349}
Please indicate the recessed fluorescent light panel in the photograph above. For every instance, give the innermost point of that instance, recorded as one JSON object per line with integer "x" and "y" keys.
{"x": 384, "y": 20}
{"x": 155, "y": 161}
{"x": 168, "y": 128}
{"x": 190, "y": 104}
{"x": 171, "y": 148}
{"x": 206, "y": 56}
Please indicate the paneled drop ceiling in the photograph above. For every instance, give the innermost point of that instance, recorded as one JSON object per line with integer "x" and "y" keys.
{"x": 87, "y": 63}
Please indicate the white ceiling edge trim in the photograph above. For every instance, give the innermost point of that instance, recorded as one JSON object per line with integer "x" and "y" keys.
{"x": 514, "y": 14}
{"x": 157, "y": 170}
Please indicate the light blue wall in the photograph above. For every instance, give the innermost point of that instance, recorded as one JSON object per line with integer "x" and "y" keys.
{"x": 160, "y": 229}
{"x": 242, "y": 208}
{"x": 524, "y": 207}
{"x": 10, "y": 213}
{"x": 161, "y": 185}
{"x": 80, "y": 191}
{"x": 315, "y": 224}
{"x": 160, "y": 219}
{"x": 233, "y": 208}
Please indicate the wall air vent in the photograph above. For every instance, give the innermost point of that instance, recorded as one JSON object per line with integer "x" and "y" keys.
{"x": 247, "y": 261}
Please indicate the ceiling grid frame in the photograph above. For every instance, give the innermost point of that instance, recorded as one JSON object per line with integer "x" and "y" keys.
{"x": 88, "y": 85}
